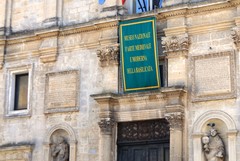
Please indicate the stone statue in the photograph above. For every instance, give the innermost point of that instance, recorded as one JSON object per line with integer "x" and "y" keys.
{"x": 213, "y": 146}
{"x": 60, "y": 150}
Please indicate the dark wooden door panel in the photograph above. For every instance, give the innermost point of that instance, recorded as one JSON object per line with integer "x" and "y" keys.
{"x": 153, "y": 154}
{"x": 147, "y": 152}
{"x": 123, "y": 154}
{"x": 139, "y": 154}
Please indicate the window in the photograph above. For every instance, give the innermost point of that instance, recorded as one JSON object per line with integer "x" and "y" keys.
{"x": 18, "y": 91}
{"x": 139, "y": 6}
{"x": 21, "y": 92}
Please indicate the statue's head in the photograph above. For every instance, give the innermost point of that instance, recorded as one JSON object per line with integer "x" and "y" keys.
{"x": 213, "y": 132}
{"x": 60, "y": 139}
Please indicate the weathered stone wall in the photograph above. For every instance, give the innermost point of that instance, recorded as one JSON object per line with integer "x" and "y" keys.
{"x": 200, "y": 52}
{"x": 213, "y": 77}
{"x": 75, "y": 11}
{"x": 26, "y": 14}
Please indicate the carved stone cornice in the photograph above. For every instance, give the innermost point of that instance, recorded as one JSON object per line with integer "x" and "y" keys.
{"x": 176, "y": 45}
{"x": 195, "y": 8}
{"x": 236, "y": 36}
{"x": 175, "y": 120}
{"x": 106, "y": 125}
{"x": 120, "y": 106}
{"x": 109, "y": 56}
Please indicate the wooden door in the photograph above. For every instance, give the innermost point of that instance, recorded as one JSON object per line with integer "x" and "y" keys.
{"x": 143, "y": 141}
{"x": 151, "y": 152}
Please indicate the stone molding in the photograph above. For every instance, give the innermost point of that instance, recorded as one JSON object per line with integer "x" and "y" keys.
{"x": 196, "y": 8}
{"x": 17, "y": 152}
{"x": 205, "y": 28}
{"x": 215, "y": 96}
{"x": 49, "y": 22}
{"x": 2, "y": 30}
{"x": 236, "y": 36}
{"x": 176, "y": 45}
{"x": 175, "y": 120}
{"x": 109, "y": 55}
{"x": 106, "y": 125}
{"x": 110, "y": 104}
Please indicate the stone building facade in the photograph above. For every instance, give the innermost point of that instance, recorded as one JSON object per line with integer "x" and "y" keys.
{"x": 66, "y": 53}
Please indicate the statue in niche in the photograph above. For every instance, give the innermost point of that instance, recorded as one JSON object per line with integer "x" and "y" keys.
{"x": 213, "y": 146}
{"x": 60, "y": 150}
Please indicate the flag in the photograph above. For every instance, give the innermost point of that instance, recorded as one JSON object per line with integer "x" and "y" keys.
{"x": 101, "y": 1}
{"x": 123, "y": 1}
{"x": 160, "y": 3}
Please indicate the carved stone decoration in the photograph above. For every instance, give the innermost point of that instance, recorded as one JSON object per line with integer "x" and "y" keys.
{"x": 143, "y": 130}
{"x": 60, "y": 150}
{"x": 106, "y": 125}
{"x": 236, "y": 36}
{"x": 176, "y": 45}
{"x": 108, "y": 56}
{"x": 175, "y": 120}
{"x": 213, "y": 146}
{"x": 48, "y": 50}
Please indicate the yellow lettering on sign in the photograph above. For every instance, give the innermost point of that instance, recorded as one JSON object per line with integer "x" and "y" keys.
{"x": 145, "y": 35}
{"x": 138, "y": 58}
{"x": 139, "y": 69}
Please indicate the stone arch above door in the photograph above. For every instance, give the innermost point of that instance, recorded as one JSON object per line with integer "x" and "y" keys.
{"x": 231, "y": 133}
{"x": 71, "y": 137}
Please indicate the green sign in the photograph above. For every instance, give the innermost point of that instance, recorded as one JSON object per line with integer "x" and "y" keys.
{"x": 139, "y": 54}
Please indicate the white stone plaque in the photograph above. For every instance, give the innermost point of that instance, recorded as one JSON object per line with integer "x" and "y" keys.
{"x": 213, "y": 76}
{"x": 62, "y": 90}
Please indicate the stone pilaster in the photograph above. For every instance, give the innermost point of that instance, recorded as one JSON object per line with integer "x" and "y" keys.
{"x": 175, "y": 120}
{"x": 176, "y": 47}
{"x": 2, "y": 17}
{"x": 2, "y": 53}
{"x": 236, "y": 36}
{"x": 8, "y": 27}
{"x": 108, "y": 56}
{"x": 107, "y": 125}
{"x": 51, "y": 16}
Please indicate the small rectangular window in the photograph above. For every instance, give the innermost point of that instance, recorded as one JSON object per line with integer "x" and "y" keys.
{"x": 21, "y": 92}
{"x": 18, "y": 91}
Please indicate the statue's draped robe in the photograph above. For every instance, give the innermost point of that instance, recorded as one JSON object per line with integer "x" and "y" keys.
{"x": 216, "y": 148}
